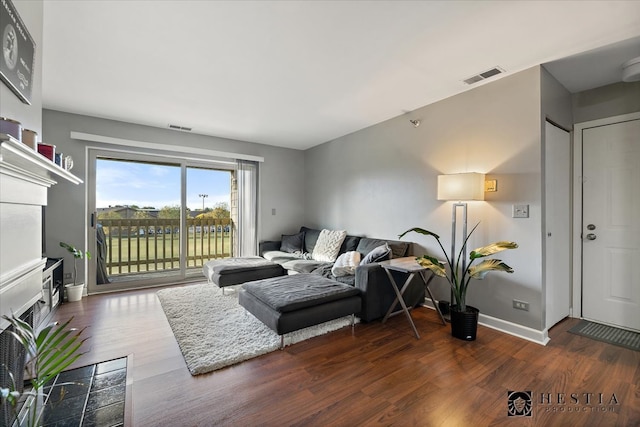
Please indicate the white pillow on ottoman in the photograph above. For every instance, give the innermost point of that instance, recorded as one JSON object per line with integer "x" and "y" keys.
{"x": 328, "y": 245}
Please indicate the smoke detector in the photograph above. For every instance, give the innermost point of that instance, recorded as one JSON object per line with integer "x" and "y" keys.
{"x": 631, "y": 70}
{"x": 484, "y": 75}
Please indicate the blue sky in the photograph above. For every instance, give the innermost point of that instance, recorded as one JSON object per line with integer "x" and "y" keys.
{"x": 146, "y": 184}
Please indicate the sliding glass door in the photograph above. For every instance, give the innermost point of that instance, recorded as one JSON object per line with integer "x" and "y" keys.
{"x": 156, "y": 220}
{"x": 209, "y": 224}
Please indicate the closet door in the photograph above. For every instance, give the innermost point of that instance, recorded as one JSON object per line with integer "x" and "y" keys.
{"x": 557, "y": 223}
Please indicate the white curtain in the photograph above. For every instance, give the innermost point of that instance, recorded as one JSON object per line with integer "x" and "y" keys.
{"x": 247, "y": 208}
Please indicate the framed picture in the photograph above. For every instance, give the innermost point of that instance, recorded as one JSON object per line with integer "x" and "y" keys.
{"x": 18, "y": 52}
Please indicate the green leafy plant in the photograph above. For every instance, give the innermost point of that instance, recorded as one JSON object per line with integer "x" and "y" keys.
{"x": 77, "y": 254}
{"x": 458, "y": 278}
{"x": 48, "y": 353}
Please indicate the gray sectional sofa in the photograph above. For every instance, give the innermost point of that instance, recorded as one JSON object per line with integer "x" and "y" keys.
{"x": 293, "y": 253}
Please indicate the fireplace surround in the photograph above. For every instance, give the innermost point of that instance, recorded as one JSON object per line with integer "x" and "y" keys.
{"x": 25, "y": 177}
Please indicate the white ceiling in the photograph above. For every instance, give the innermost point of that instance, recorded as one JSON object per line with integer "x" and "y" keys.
{"x": 299, "y": 73}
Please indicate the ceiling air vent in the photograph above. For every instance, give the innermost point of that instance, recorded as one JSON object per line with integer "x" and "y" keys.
{"x": 176, "y": 127}
{"x": 484, "y": 75}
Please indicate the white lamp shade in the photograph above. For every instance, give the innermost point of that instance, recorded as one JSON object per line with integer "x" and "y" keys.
{"x": 461, "y": 186}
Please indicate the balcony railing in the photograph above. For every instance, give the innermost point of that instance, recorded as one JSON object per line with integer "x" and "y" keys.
{"x": 153, "y": 245}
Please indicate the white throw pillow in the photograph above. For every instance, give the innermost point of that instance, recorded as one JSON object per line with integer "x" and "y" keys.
{"x": 328, "y": 245}
{"x": 346, "y": 264}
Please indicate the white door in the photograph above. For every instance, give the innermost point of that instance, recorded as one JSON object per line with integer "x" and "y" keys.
{"x": 557, "y": 223}
{"x": 611, "y": 224}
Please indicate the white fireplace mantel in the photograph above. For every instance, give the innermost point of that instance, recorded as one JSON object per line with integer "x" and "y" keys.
{"x": 25, "y": 176}
{"x": 19, "y": 160}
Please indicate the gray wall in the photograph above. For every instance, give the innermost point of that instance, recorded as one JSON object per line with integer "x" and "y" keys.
{"x": 606, "y": 101}
{"x": 381, "y": 181}
{"x": 281, "y": 173}
{"x": 10, "y": 105}
{"x": 555, "y": 102}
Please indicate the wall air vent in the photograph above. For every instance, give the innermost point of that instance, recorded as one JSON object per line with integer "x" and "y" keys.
{"x": 176, "y": 127}
{"x": 484, "y": 75}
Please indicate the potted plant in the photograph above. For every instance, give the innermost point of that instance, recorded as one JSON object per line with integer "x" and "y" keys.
{"x": 74, "y": 291}
{"x": 48, "y": 353}
{"x": 464, "y": 318}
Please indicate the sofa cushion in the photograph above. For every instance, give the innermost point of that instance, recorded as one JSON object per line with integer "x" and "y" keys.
{"x": 287, "y": 293}
{"x": 232, "y": 271}
{"x": 381, "y": 253}
{"x": 280, "y": 257}
{"x": 399, "y": 249}
{"x": 292, "y": 242}
{"x": 310, "y": 238}
{"x": 349, "y": 244}
{"x": 328, "y": 245}
{"x": 302, "y": 265}
{"x": 346, "y": 264}
{"x": 325, "y": 271}
{"x": 236, "y": 265}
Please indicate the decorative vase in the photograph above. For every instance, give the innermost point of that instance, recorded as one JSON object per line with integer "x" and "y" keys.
{"x": 464, "y": 324}
{"x": 74, "y": 292}
{"x": 30, "y": 138}
{"x": 11, "y": 127}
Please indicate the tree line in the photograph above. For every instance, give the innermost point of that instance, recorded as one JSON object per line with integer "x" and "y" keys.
{"x": 220, "y": 211}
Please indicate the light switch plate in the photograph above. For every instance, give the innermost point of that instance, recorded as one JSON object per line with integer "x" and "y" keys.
{"x": 520, "y": 211}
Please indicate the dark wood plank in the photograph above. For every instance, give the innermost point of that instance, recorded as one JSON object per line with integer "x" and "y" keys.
{"x": 381, "y": 375}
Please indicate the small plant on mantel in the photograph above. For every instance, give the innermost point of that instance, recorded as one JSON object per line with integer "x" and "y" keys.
{"x": 77, "y": 254}
{"x": 48, "y": 353}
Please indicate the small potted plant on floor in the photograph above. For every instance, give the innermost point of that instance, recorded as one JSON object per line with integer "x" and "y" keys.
{"x": 464, "y": 318}
{"x": 74, "y": 291}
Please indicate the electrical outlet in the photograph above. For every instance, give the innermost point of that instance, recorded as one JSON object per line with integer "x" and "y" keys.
{"x": 67, "y": 275}
{"x": 520, "y": 305}
{"x": 520, "y": 211}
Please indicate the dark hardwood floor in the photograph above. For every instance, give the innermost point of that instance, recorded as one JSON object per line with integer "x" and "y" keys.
{"x": 380, "y": 376}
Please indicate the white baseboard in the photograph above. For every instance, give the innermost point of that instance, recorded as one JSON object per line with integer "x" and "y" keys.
{"x": 524, "y": 332}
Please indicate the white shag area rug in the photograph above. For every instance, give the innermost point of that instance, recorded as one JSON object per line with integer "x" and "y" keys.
{"x": 214, "y": 331}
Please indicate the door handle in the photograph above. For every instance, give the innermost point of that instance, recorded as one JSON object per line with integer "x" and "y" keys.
{"x": 591, "y": 236}
{"x": 591, "y": 227}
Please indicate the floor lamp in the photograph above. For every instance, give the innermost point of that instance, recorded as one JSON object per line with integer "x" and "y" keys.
{"x": 460, "y": 188}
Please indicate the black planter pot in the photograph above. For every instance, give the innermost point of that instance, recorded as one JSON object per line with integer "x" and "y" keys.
{"x": 464, "y": 324}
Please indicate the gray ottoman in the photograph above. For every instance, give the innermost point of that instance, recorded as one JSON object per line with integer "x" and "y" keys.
{"x": 288, "y": 303}
{"x": 233, "y": 271}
